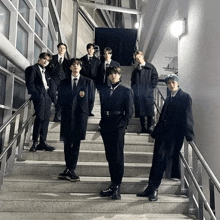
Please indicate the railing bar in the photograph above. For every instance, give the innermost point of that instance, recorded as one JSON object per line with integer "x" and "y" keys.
{"x": 14, "y": 139}
{"x": 14, "y": 115}
{"x": 206, "y": 204}
{"x": 206, "y": 166}
{"x": 160, "y": 93}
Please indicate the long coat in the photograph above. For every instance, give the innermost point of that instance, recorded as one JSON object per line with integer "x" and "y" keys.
{"x": 75, "y": 109}
{"x": 88, "y": 70}
{"x": 175, "y": 122}
{"x": 143, "y": 83}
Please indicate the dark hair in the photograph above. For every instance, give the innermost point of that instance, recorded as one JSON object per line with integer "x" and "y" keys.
{"x": 43, "y": 55}
{"x": 113, "y": 69}
{"x": 108, "y": 49}
{"x": 74, "y": 61}
{"x": 90, "y": 45}
{"x": 60, "y": 44}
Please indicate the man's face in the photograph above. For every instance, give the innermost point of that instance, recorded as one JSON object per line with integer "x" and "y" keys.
{"x": 91, "y": 51}
{"x": 75, "y": 68}
{"x": 173, "y": 85}
{"x": 139, "y": 58}
{"x": 114, "y": 78}
{"x": 61, "y": 49}
{"x": 107, "y": 55}
{"x": 44, "y": 61}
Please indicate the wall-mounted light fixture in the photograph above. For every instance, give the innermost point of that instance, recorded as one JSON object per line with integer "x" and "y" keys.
{"x": 178, "y": 27}
{"x": 137, "y": 25}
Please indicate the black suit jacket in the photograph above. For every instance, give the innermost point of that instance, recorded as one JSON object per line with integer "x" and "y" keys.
{"x": 88, "y": 70}
{"x": 57, "y": 71}
{"x": 176, "y": 119}
{"x": 102, "y": 76}
{"x": 75, "y": 109}
{"x": 121, "y": 100}
{"x": 34, "y": 82}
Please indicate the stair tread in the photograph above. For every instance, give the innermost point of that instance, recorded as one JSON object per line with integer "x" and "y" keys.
{"x": 85, "y": 197}
{"x": 87, "y": 216}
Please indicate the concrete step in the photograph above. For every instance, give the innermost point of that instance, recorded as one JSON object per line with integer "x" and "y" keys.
{"x": 87, "y": 184}
{"x": 87, "y": 156}
{"x": 98, "y": 169}
{"x": 90, "y": 203}
{"x": 89, "y": 216}
{"x": 99, "y": 146}
{"x": 95, "y": 136}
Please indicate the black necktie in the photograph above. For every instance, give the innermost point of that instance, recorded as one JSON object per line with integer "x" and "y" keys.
{"x": 60, "y": 61}
{"x": 90, "y": 60}
{"x": 74, "y": 87}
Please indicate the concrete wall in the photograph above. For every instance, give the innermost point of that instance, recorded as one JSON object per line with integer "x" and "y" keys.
{"x": 199, "y": 58}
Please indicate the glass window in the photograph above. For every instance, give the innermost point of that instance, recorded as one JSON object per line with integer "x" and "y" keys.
{"x": 37, "y": 52}
{"x": 2, "y": 88}
{"x": 38, "y": 28}
{"x": 5, "y": 19}
{"x": 39, "y": 7}
{"x": 50, "y": 40}
{"x": 19, "y": 94}
{"x": 24, "y": 10}
{"x": 3, "y": 61}
{"x": 22, "y": 40}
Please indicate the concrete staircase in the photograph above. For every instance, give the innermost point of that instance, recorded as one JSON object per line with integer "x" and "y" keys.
{"x": 34, "y": 192}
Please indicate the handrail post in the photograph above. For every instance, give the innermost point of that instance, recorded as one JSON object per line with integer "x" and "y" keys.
{"x": 212, "y": 195}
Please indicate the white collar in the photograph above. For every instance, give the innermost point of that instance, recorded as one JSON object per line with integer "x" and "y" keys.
{"x": 73, "y": 77}
{"x": 173, "y": 95}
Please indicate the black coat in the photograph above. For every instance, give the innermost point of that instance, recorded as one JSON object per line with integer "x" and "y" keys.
{"x": 102, "y": 76}
{"x": 57, "y": 71}
{"x": 120, "y": 100}
{"x": 143, "y": 83}
{"x": 34, "y": 82}
{"x": 175, "y": 122}
{"x": 75, "y": 110}
{"x": 88, "y": 70}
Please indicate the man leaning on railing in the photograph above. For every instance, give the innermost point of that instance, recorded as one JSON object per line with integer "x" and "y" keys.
{"x": 175, "y": 122}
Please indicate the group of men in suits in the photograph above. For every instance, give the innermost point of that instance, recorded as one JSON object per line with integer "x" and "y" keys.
{"x": 71, "y": 85}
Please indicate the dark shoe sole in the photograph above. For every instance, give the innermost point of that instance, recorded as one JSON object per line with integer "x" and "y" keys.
{"x": 72, "y": 180}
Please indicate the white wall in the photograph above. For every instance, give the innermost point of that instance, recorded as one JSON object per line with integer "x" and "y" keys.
{"x": 199, "y": 62}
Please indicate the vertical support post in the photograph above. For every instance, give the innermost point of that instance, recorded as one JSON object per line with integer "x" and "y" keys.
{"x": 75, "y": 27}
{"x": 212, "y": 195}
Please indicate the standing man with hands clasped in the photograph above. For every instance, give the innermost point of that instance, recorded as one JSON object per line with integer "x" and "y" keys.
{"x": 175, "y": 123}
{"x": 116, "y": 111}
{"x": 58, "y": 71}
{"x": 76, "y": 98}
{"x": 144, "y": 79}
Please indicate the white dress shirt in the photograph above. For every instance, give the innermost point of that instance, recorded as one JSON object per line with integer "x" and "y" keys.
{"x": 72, "y": 77}
{"x": 42, "y": 70}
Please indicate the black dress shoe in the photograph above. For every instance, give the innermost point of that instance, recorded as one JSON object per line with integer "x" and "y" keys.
{"x": 146, "y": 193}
{"x": 57, "y": 118}
{"x": 72, "y": 176}
{"x": 45, "y": 146}
{"x": 91, "y": 114}
{"x": 143, "y": 130}
{"x": 153, "y": 196}
{"x": 149, "y": 130}
{"x": 64, "y": 174}
{"x": 33, "y": 147}
{"x": 116, "y": 193}
{"x": 107, "y": 192}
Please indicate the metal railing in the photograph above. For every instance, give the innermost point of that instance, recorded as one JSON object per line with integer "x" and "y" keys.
{"x": 198, "y": 181}
{"x": 15, "y": 134}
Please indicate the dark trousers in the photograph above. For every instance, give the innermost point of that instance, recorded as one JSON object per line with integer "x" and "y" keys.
{"x": 42, "y": 112}
{"x": 54, "y": 90}
{"x": 71, "y": 151}
{"x": 166, "y": 157}
{"x": 114, "y": 151}
{"x": 149, "y": 121}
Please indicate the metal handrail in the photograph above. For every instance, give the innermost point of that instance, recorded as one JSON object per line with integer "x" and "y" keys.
{"x": 15, "y": 133}
{"x": 201, "y": 159}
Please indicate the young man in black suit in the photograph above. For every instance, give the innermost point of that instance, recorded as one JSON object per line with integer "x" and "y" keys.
{"x": 116, "y": 111}
{"x": 102, "y": 77}
{"x": 90, "y": 65}
{"x": 38, "y": 86}
{"x": 175, "y": 123}
{"x": 76, "y": 98}
{"x": 58, "y": 68}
